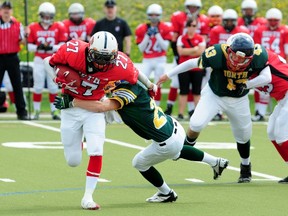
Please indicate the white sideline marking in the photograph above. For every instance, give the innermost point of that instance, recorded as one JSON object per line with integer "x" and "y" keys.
{"x": 7, "y": 180}
{"x": 140, "y": 148}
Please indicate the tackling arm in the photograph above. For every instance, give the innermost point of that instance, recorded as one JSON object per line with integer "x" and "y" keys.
{"x": 263, "y": 78}
{"x": 49, "y": 70}
{"x": 96, "y": 106}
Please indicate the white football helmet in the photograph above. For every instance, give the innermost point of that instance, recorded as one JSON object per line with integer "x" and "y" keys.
{"x": 76, "y": 13}
{"x": 154, "y": 9}
{"x": 249, "y": 4}
{"x": 274, "y": 17}
{"x": 228, "y": 15}
{"x": 103, "y": 50}
{"x": 46, "y": 12}
{"x": 195, "y": 3}
{"x": 215, "y": 14}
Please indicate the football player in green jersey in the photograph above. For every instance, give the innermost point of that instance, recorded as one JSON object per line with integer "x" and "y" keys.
{"x": 227, "y": 90}
{"x": 139, "y": 111}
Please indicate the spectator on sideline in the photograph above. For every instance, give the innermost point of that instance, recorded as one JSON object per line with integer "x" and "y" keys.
{"x": 11, "y": 35}
{"x": 116, "y": 26}
{"x": 45, "y": 37}
{"x": 153, "y": 41}
{"x": 178, "y": 20}
{"x": 78, "y": 27}
{"x": 189, "y": 46}
{"x": 273, "y": 36}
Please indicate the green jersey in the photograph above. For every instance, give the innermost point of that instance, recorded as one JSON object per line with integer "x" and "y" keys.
{"x": 139, "y": 111}
{"x": 223, "y": 82}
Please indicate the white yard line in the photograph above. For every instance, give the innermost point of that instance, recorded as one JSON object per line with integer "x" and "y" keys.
{"x": 124, "y": 144}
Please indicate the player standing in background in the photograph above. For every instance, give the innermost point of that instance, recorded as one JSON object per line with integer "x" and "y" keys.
{"x": 215, "y": 15}
{"x": 139, "y": 111}
{"x": 44, "y": 39}
{"x": 232, "y": 64}
{"x": 189, "y": 46}
{"x": 249, "y": 19}
{"x": 153, "y": 41}
{"x": 178, "y": 20}
{"x": 97, "y": 62}
{"x": 219, "y": 34}
{"x": 273, "y": 36}
{"x": 78, "y": 27}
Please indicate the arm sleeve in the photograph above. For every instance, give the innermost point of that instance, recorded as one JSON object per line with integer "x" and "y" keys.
{"x": 163, "y": 43}
{"x": 32, "y": 47}
{"x": 49, "y": 70}
{"x": 142, "y": 46}
{"x": 144, "y": 79}
{"x": 263, "y": 78}
{"x": 185, "y": 66}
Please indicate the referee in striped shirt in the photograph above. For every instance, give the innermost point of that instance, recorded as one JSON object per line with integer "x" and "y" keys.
{"x": 11, "y": 35}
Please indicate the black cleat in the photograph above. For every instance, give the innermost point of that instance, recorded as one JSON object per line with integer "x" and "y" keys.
{"x": 284, "y": 180}
{"x": 168, "y": 110}
{"x": 245, "y": 173}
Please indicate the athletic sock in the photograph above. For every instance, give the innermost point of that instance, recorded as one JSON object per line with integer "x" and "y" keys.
{"x": 282, "y": 149}
{"x": 190, "y": 153}
{"x": 244, "y": 152}
{"x": 153, "y": 176}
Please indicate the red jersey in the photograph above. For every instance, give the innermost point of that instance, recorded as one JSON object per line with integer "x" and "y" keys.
{"x": 74, "y": 54}
{"x": 279, "y": 70}
{"x": 274, "y": 40}
{"x": 55, "y": 34}
{"x": 11, "y": 33}
{"x": 186, "y": 42}
{"x": 218, "y": 34}
{"x": 258, "y": 21}
{"x": 80, "y": 31}
{"x": 179, "y": 19}
{"x": 153, "y": 49}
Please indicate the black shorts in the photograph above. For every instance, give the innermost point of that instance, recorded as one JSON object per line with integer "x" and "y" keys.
{"x": 188, "y": 78}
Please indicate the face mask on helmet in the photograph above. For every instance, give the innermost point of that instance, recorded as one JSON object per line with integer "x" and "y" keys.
{"x": 46, "y": 13}
{"x": 274, "y": 17}
{"x": 46, "y": 18}
{"x": 240, "y": 52}
{"x": 102, "y": 51}
{"x": 76, "y": 13}
{"x": 154, "y": 13}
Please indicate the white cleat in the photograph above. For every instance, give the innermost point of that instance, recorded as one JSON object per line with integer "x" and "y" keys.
{"x": 219, "y": 167}
{"x": 89, "y": 205}
{"x": 162, "y": 198}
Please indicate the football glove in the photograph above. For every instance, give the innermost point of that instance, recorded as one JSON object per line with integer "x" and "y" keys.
{"x": 63, "y": 102}
{"x": 152, "y": 91}
{"x": 152, "y": 31}
{"x": 240, "y": 88}
{"x": 41, "y": 47}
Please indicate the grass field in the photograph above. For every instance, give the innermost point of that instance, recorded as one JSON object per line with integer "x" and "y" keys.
{"x": 35, "y": 180}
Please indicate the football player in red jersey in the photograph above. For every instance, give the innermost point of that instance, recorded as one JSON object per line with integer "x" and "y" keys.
{"x": 249, "y": 18}
{"x": 273, "y": 36}
{"x": 153, "y": 41}
{"x": 215, "y": 14}
{"x": 178, "y": 20}
{"x": 77, "y": 26}
{"x": 44, "y": 39}
{"x": 220, "y": 33}
{"x": 278, "y": 89}
{"x": 97, "y": 62}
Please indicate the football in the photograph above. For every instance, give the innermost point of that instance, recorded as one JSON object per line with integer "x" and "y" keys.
{"x": 67, "y": 77}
